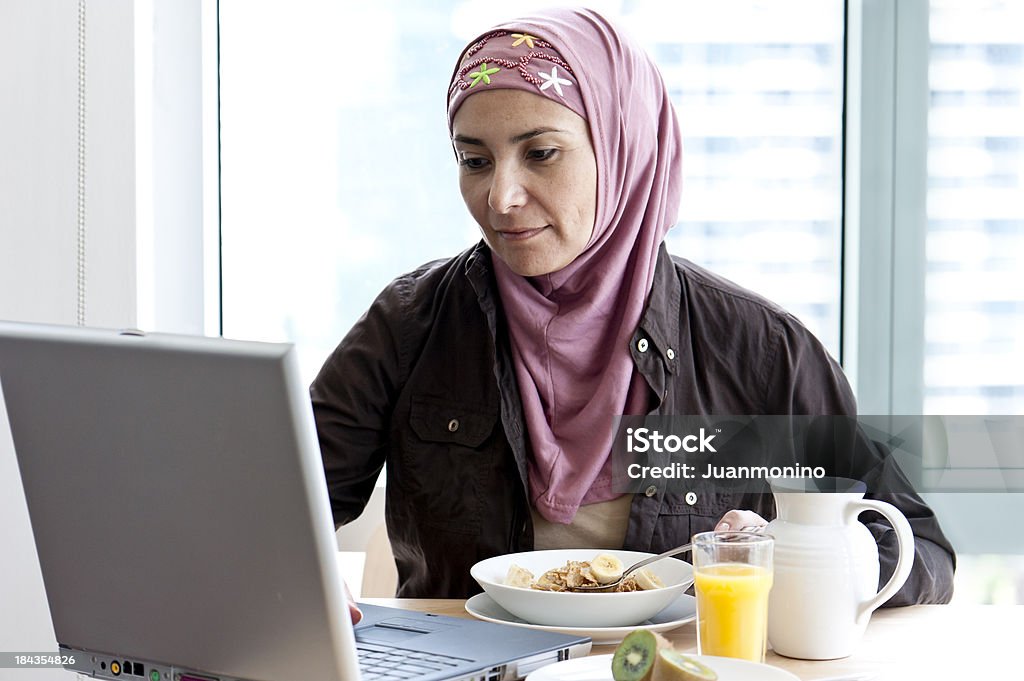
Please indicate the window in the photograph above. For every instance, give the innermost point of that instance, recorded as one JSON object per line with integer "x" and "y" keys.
{"x": 974, "y": 310}
{"x": 760, "y": 89}
{"x": 337, "y": 173}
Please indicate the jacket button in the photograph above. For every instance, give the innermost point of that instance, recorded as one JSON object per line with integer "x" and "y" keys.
{"x": 642, "y": 345}
{"x": 651, "y": 491}
{"x": 670, "y": 353}
{"x": 453, "y": 425}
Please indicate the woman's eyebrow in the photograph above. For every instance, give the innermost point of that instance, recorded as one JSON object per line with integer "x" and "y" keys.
{"x": 531, "y": 134}
{"x": 522, "y": 137}
{"x": 462, "y": 139}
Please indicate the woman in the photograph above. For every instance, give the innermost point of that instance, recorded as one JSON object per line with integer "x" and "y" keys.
{"x": 488, "y": 383}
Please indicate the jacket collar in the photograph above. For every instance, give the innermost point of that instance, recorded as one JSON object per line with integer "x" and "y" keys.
{"x": 478, "y": 268}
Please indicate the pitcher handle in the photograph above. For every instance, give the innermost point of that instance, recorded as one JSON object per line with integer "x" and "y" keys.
{"x": 905, "y": 540}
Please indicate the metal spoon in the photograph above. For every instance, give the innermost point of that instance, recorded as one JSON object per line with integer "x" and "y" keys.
{"x": 647, "y": 561}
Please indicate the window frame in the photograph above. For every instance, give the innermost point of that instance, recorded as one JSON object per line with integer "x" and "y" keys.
{"x": 885, "y": 191}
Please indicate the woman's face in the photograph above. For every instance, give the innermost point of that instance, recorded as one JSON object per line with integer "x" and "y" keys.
{"x": 528, "y": 175}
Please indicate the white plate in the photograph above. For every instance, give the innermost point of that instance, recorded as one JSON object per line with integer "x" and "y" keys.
{"x": 681, "y": 611}
{"x": 599, "y": 668}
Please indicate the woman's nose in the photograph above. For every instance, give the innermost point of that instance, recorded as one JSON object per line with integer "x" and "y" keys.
{"x": 507, "y": 190}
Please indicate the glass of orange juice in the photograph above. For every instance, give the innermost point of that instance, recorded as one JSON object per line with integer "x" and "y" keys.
{"x": 732, "y": 578}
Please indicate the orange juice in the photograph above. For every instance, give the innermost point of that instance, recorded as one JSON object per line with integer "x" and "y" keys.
{"x": 732, "y": 610}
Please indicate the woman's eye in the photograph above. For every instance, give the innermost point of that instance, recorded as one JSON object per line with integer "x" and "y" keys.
{"x": 541, "y": 154}
{"x": 473, "y": 163}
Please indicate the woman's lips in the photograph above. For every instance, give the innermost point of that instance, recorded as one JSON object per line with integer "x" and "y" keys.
{"x": 520, "y": 234}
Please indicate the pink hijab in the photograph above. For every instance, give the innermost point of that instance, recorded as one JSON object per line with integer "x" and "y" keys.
{"x": 571, "y": 330}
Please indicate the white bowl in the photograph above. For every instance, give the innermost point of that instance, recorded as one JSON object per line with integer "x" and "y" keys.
{"x": 574, "y": 609}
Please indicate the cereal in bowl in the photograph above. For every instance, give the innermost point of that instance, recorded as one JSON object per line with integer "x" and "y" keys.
{"x": 602, "y": 569}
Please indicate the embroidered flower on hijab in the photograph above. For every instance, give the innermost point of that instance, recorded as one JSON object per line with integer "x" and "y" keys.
{"x": 524, "y": 37}
{"x": 485, "y": 74}
{"x": 552, "y": 80}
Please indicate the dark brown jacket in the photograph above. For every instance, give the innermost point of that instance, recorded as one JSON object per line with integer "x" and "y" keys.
{"x": 423, "y": 384}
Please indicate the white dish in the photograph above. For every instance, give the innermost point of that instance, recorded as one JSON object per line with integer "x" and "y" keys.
{"x": 599, "y": 668}
{"x": 569, "y": 609}
{"x": 680, "y": 612}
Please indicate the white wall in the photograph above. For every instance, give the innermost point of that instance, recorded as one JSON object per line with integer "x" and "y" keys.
{"x": 39, "y": 176}
{"x": 143, "y": 196}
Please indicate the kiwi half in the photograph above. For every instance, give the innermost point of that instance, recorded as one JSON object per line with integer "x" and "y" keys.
{"x": 672, "y": 666}
{"x": 634, "y": 658}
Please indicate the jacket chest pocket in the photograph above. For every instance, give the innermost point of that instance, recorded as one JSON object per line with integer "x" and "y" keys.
{"x": 449, "y": 456}
{"x": 450, "y": 423}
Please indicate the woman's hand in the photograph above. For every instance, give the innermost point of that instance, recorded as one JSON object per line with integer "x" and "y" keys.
{"x": 353, "y": 610}
{"x": 736, "y": 519}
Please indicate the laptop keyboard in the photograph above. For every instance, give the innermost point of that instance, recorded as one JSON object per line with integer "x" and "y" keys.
{"x": 384, "y": 663}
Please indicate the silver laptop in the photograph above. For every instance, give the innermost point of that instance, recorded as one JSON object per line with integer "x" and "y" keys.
{"x": 180, "y": 513}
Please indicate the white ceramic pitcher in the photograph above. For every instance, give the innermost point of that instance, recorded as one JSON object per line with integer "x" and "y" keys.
{"x": 826, "y": 567}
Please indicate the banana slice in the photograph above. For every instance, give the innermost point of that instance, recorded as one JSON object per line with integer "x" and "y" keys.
{"x": 519, "y": 576}
{"x": 647, "y": 580}
{"x": 606, "y": 568}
